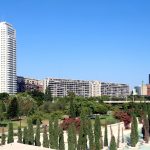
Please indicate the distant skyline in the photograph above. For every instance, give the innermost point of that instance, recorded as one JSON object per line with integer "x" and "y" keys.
{"x": 83, "y": 39}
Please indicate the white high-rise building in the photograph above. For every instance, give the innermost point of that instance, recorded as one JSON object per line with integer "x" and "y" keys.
{"x": 8, "y": 82}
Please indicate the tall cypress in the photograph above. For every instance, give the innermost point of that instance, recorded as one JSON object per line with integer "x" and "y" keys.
{"x": 25, "y": 136}
{"x": 56, "y": 133}
{"x": 106, "y": 136}
{"x": 72, "y": 141}
{"x": 146, "y": 128}
{"x": 10, "y": 133}
{"x": 19, "y": 135}
{"x": 97, "y": 133}
{"x": 113, "y": 145}
{"x": 51, "y": 134}
{"x": 37, "y": 135}
{"x": 61, "y": 140}
{"x": 72, "y": 107}
{"x": 30, "y": 132}
{"x": 3, "y": 140}
{"x": 118, "y": 138}
{"x": 45, "y": 138}
{"x": 82, "y": 140}
{"x": 90, "y": 135}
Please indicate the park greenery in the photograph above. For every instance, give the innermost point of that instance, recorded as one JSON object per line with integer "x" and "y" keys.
{"x": 28, "y": 115}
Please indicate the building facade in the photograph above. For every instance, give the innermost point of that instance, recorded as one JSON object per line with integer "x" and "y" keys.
{"x": 29, "y": 84}
{"x": 61, "y": 87}
{"x": 8, "y": 80}
{"x": 114, "y": 89}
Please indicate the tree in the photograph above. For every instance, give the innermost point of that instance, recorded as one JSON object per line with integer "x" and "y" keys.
{"x": 72, "y": 137}
{"x": 25, "y": 136}
{"x": 48, "y": 95}
{"x": 51, "y": 134}
{"x": 56, "y": 133}
{"x": 30, "y": 132}
{"x": 82, "y": 140}
{"x": 19, "y": 135}
{"x": 97, "y": 133}
{"x": 113, "y": 145}
{"x": 146, "y": 128}
{"x": 72, "y": 107}
{"x": 13, "y": 108}
{"x": 90, "y": 135}
{"x": 134, "y": 132}
{"x": 118, "y": 138}
{"x": 3, "y": 140}
{"x": 37, "y": 135}
{"x": 106, "y": 136}
{"x": 10, "y": 134}
{"x": 45, "y": 138}
{"x": 61, "y": 140}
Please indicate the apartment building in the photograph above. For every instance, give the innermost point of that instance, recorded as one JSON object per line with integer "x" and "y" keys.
{"x": 8, "y": 80}
{"x": 61, "y": 87}
{"x": 29, "y": 84}
{"x": 114, "y": 89}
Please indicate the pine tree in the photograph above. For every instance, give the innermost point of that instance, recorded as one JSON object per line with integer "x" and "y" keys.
{"x": 45, "y": 138}
{"x": 10, "y": 134}
{"x": 82, "y": 140}
{"x": 37, "y": 135}
{"x": 25, "y": 136}
{"x": 19, "y": 135}
{"x": 106, "y": 136}
{"x": 97, "y": 133}
{"x": 61, "y": 140}
{"x": 72, "y": 138}
{"x": 113, "y": 145}
{"x": 30, "y": 132}
{"x": 51, "y": 134}
{"x": 90, "y": 135}
{"x": 56, "y": 133}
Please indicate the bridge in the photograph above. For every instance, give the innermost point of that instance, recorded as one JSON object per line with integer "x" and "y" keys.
{"x": 121, "y": 102}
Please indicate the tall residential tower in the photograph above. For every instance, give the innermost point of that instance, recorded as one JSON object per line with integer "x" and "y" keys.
{"x": 8, "y": 80}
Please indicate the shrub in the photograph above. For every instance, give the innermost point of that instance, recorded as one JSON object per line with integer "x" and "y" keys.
{"x": 123, "y": 116}
{"x": 68, "y": 121}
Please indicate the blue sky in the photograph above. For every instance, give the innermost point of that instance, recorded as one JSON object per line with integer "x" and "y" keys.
{"x": 106, "y": 40}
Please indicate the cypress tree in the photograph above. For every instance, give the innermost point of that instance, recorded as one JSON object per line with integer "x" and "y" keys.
{"x": 72, "y": 137}
{"x": 97, "y": 133}
{"x": 45, "y": 138}
{"x": 118, "y": 138}
{"x": 61, "y": 140}
{"x": 10, "y": 134}
{"x": 82, "y": 140}
{"x": 3, "y": 141}
{"x": 106, "y": 136}
{"x": 56, "y": 133}
{"x": 113, "y": 145}
{"x": 51, "y": 134}
{"x": 19, "y": 135}
{"x": 134, "y": 132}
{"x": 122, "y": 136}
{"x": 30, "y": 132}
{"x": 146, "y": 128}
{"x": 101, "y": 137}
{"x": 25, "y": 136}
{"x": 37, "y": 135}
{"x": 90, "y": 135}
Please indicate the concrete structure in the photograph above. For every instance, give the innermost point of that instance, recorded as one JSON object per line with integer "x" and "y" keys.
{"x": 148, "y": 89}
{"x": 114, "y": 89}
{"x": 8, "y": 82}
{"x": 61, "y": 87}
{"x": 144, "y": 89}
{"x": 29, "y": 84}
